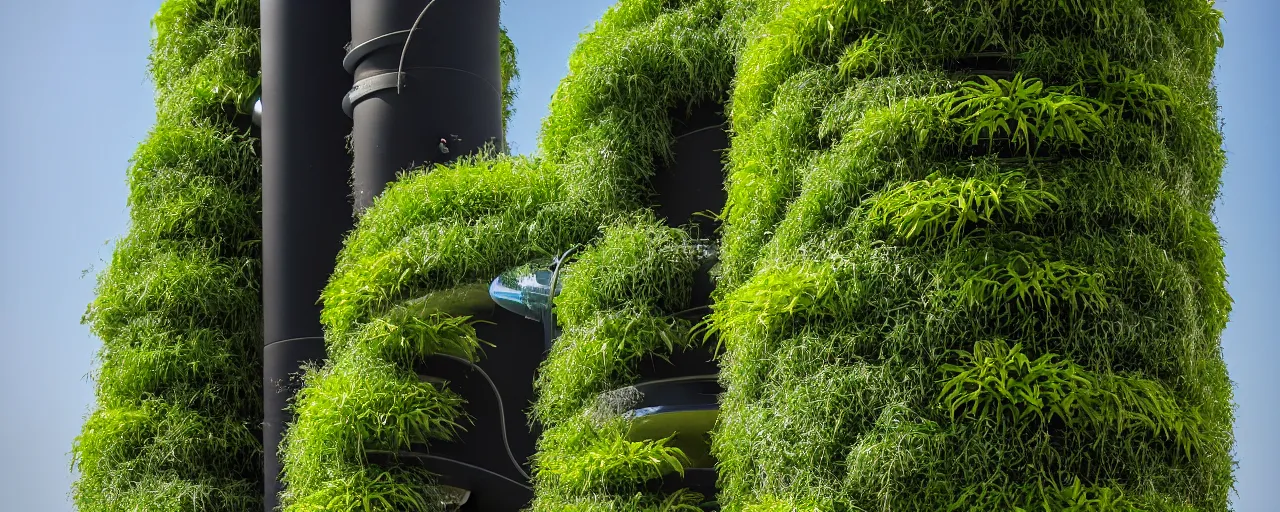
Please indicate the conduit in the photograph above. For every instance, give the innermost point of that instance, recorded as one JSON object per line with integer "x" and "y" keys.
{"x": 305, "y": 207}
{"x": 449, "y": 99}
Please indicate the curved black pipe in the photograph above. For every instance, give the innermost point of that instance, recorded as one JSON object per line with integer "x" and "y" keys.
{"x": 450, "y": 86}
{"x": 501, "y": 411}
{"x": 305, "y": 208}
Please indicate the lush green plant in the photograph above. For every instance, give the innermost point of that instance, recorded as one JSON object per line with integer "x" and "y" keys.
{"x": 510, "y": 75}
{"x": 924, "y": 210}
{"x": 179, "y": 388}
{"x": 616, "y": 309}
{"x": 437, "y": 229}
{"x": 179, "y": 385}
{"x": 970, "y": 264}
{"x": 942, "y": 288}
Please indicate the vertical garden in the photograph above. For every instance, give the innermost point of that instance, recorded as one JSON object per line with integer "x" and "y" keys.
{"x": 967, "y": 263}
{"x": 970, "y": 262}
{"x": 176, "y": 425}
{"x": 439, "y": 229}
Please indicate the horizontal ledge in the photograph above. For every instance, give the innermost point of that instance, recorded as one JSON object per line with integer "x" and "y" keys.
{"x": 683, "y": 408}
{"x": 692, "y": 390}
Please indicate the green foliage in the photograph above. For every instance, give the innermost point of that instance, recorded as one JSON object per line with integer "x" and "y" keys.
{"x": 912, "y": 178}
{"x": 1000, "y": 381}
{"x": 611, "y": 117}
{"x": 642, "y": 66}
{"x": 357, "y": 405}
{"x": 198, "y": 366}
{"x": 926, "y": 210}
{"x": 510, "y": 74}
{"x": 161, "y": 437}
{"x": 453, "y": 226}
{"x": 601, "y": 354}
{"x": 177, "y": 309}
{"x": 437, "y": 229}
{"x": 1029, "y": 282}
{"x": 909, "y": 181}
{"x": 680, "y": 501}
{"x": 615, "y": 309}
{"x": 1049, "y": 495}
{"x": 1023, "y": 112}
{"x": 354, "y": 405}
{"x": 580, "y": 456}
{"x": 428, "y": 231}
{"x": 368, "y": 487}
{"x": 403, "y": 338}
{"x": 641, "y": 264}
{"x": 152, "y": 492}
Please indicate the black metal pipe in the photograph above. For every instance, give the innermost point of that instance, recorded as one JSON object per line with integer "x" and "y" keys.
{"x": 449, "y": 87}
{"x": 693, "y": 183}
{"x": 305, "y": 191}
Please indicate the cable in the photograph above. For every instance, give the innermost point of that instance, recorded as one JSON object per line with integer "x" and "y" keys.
{"x": 405, "y": 49}
{"x": 502, "y": 410}
{"x": 690, "y": 310}
{"x": 549, "y": 317}
{"x": 703, "y": 129}
{"x": 417, "y": 455}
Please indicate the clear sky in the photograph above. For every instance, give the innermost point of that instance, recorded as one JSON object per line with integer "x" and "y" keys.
{"x": 75, "y": 101}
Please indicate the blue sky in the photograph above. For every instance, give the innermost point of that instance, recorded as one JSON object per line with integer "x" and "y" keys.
{"x": 75, "y": 101}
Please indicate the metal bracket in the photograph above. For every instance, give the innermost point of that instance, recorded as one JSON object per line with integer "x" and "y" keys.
{"x": 366, "y": 87}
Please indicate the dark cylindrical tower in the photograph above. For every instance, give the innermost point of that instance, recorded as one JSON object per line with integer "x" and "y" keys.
{"x": 446, "y": 100}
{"x": 305, "y": 206}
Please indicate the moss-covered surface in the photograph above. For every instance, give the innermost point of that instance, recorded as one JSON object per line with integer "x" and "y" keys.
{"x": 967, "y": 292}
{"x": 177, "y": 309}
{"x": 968, "y": 263}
